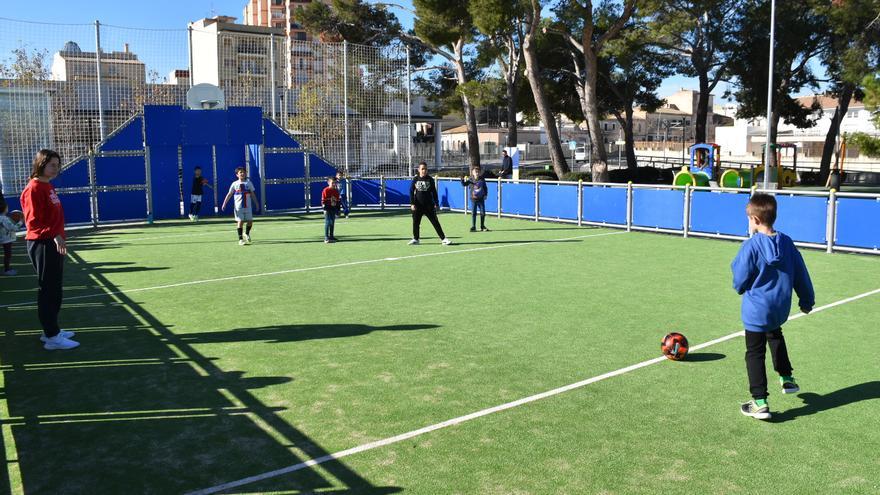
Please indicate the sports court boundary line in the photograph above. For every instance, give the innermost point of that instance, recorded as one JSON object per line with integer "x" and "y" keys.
{"x": 314, "y": 268}
{"x": 491, "y": 410}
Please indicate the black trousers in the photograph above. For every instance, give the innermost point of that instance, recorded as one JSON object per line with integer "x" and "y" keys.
{"x": 478, "y": 204}
{"x": 7, "y": 256}
{"x": 756, "y": 348}
{"x": 431, "y": 213}
{"x": 49, "y": 265}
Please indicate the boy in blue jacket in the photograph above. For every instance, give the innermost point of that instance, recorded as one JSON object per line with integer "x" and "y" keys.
{"x": 766, "y": 269}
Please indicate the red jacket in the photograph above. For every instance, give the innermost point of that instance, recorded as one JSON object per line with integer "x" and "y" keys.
{"x": 43, "y": 214}
{"x": 330, "y": 198}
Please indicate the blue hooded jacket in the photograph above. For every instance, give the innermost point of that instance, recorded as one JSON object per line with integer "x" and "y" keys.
{"x": 765, "y": 271}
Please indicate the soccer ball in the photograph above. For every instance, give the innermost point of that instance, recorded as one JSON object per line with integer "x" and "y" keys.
{"x": 204, "y": 182}
{"x": 16, "y": 216}
{"x": 674, "y": 346}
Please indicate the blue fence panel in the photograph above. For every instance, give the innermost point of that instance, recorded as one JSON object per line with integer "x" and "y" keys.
{"x": 202, "y": 127}
{"x": 77, "y": 208}
{"x": 200, "y": 156}
{"x": 318, "y": 167}
{"x": 165, "y": 182}
{"x": 130, "y": 137}
{"x": 802, "y": 218}
{"x": 120, "y": 170}
{"x": 244, "y": 125}
{"x": 858, "y": 222}
{"x": 558, "y": 201}
{"x": 285, "y": 196}
{"x": 397, "y": 191}
{"x": 660, "y": 208}
{"x": 365, "y": 192}
{"x": 75, "y": 175}
{"x": 719, "y": 213}
{"x": 285, "y": 165}
{"x": 491, "y": 196}
{"x": 451, "y": 194}
{"x": 122, "y": 205}
{"x": 604, "y": 204}
{"x": 275, "y": 137}
{"x": 518, "y": 198}
{"x": 164, "y": 125}
{"x": 315, "y": 189}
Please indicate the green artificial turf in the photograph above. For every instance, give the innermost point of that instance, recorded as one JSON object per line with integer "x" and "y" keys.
{"x": 204, "y": 362}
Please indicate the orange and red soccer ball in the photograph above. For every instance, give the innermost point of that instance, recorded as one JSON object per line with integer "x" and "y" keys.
{"x": 674, "y": 346}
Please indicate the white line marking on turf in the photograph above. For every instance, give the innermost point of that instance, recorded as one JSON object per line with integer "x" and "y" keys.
{"x": 485, "y": 412}
{"x": 313, "y": 268}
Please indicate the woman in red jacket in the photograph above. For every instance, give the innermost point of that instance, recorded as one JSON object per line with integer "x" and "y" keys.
{"x": 46, "y": 246}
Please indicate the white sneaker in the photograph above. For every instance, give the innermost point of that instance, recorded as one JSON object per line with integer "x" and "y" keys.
{"x": 413, "y": 242}
{"x": 10, "y": 272}
{"x": 247, "y": 239}
{"x": 192, "y": 217}
{"x": 66, "y": 334}
{"x": 241, "y": 242}
{"x": 445, "y": 242}
{"x": 59, "y": 343}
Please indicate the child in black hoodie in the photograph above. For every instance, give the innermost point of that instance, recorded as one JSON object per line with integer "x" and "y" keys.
{"x": 424, "y": 202}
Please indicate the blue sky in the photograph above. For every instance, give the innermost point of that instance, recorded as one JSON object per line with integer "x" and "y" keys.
{"x": 158, "y": 49}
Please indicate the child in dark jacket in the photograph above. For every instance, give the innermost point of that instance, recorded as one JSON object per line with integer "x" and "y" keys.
{"x": 478, "y": 197}
{"x": 766, "y": 269}
{"x": 330, "y": 203}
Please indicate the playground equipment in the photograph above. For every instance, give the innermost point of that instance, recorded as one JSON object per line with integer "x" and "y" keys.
{"x": 705, "y": 163}
{"x": 785, "y": 177}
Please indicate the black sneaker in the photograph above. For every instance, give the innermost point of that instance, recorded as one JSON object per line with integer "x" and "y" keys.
{"x": 751, "y": 408}
{"x": 484, "y": 228}
{"x": 788, "y": 385}
{"x": 473, "y": 229}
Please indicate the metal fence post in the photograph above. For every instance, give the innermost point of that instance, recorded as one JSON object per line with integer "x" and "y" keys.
{"x": 216, "y": 179}
{"x": 98, "y": 79}
{"x": 262, "y": 168}
{"x": 408, "y": 112}
{"x": 685, "y": 227}
{"x": 830, "y": 221}
{"x": 149, "y": 179}
{"x": 272, "y": 74}
{"x": 93, "y": 192}
{"x": 345, "y": 99}
{"x": 580, "y": 207}
{"x": 629, "y": 206}
{"x": 537, "y": 198}
{"x": 382, "y": 192}
{"x": 189, "y": 43}
{"x": 498, "y": 193}
{"x": 307, "y": 190}
{"x": 465, "y": 193}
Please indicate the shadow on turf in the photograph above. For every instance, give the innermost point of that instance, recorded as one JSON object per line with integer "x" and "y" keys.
{"x": 294, "y": 333}
{"x": 700, "y": 357}
{"x": 816, "y": 403}
{"x": 138, "y": 409}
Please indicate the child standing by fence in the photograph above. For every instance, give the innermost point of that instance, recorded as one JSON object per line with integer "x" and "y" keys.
{"x": 477, "y": 183}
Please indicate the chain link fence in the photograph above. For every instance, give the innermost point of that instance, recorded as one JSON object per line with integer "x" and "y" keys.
{"x": 68, "y": 86}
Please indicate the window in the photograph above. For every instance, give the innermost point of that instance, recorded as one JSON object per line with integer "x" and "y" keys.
{"x": 300, "y": 36}
{"x": 852, "y": 114}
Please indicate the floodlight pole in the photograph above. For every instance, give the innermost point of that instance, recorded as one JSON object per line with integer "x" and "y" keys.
{"x": 770, "y": 162}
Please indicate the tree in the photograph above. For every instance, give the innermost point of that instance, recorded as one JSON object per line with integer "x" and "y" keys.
{"x": 578, "y": 27}
{"x": 631, "y": 70}
{"x": 446, "y": 28}
{"x": 870, "y": 145}
{"x": 502, "y": 24}
{"x": 854, "y": 53}
{"x": 350, "y": 20}
{"x": 698, "y": 34}
{"x": 801, "y": 38}
{"x": 542, "y": 104}
{"x": 25, "y": 67}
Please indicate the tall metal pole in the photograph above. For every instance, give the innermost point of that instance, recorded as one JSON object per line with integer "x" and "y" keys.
{"x": 190, "y": 43}
{"x": 272, "y": 73}
{"x": 345, "y": 98}
{"x": 408, "y": 115}
{"x": 98, "y": 61}
{"x": 770, "y": 162}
